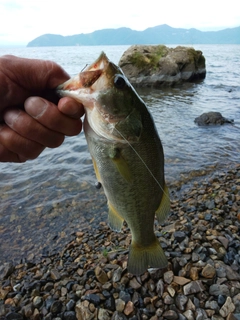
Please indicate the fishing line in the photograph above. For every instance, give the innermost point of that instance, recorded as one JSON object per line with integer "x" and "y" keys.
{"x": 167, "y": 195}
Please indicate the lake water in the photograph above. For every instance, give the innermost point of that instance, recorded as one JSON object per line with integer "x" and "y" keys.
{"x": 44, "y": 201}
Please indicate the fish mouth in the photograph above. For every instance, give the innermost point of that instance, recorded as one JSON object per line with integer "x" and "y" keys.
{"x": 87, "y": 78}
{"x": 84, "y": 79}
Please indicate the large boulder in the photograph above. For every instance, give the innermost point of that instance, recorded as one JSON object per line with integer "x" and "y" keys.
{"x": 211, "y": 118}
{"x": 158, "y": 65}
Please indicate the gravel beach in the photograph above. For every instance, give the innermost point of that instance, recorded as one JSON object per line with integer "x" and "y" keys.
{"x": 89, "y": 279}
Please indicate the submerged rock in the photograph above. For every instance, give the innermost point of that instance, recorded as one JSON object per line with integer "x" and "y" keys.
{"x": 156, "y": 66}
{"x": 211, "y": 118}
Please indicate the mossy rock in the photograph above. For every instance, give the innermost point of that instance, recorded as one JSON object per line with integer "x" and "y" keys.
{"x": 158, "y": 65}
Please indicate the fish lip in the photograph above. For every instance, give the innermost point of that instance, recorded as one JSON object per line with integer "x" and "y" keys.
{"x": 87, "y": 77}
{"x": 84, "y": 79}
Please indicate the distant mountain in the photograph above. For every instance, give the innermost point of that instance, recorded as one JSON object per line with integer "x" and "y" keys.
{"x": 162, "y": 34}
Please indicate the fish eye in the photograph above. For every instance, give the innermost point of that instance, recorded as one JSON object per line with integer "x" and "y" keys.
{"x": 119, "y": 81}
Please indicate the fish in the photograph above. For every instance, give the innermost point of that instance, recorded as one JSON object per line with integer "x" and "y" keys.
{"x": 127, "y": 156}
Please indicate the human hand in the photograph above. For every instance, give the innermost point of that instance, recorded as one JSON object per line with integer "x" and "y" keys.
{"x": 31, "y": 121}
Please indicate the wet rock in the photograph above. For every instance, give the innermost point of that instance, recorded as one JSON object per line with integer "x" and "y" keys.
{"x": 156, "y": 66}
{"x": 211, "y": 118}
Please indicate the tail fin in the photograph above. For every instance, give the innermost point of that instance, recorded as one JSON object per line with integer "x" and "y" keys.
{"x": 140, "y": 258}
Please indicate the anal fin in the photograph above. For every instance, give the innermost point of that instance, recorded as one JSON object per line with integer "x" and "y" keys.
{"x": 114, "y": 219}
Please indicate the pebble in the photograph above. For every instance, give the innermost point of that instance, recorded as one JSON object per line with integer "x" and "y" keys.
{"x": 201, "y": 239}
{"x": 227, "y": 308}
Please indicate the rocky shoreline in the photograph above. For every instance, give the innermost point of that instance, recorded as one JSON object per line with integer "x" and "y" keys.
{"x": 89, "y": 278}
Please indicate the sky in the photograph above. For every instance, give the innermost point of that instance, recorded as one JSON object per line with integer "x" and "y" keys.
{"x": 24, "y": 20}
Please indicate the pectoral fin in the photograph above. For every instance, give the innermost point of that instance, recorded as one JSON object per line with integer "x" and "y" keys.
{"x": 164, "y": 208}
{"x": 114, "y": 219}
{"x": 121, "y": 164}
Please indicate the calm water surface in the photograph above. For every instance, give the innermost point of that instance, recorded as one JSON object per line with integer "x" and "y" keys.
{"x": 45, "y": 200}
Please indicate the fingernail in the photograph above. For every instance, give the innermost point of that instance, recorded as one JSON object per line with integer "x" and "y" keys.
{"x": 11, "y": 116}
{"x": 35, "y": 106}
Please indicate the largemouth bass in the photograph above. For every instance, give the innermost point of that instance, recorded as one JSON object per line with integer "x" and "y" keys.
{"x": 127, "y": 156}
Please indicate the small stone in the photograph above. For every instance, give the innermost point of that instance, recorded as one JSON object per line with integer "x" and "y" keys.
{"x": 227, "y": 308}
{"x": 120, "y": 305}
{"x": 5, "y": 270}
{"x": 117, "y": 316}
{"x": 180, "y": 301}
{"x": 56, "y": 307}
{"x": 55, "y": 275}
{"x": 93, "y": 298}
{"x": 170, "y": 315}
{"x": 219, "y": 289}
{"x": 69, "y": 315}
{"x": 103, "y": 314}
{"x": 168, "y": 277}
{"x": 208, "y": 271}
{"x": 101, "y": 275}
{"x": 117, "y": 274}
{"x": 14, "y": 316}
{"x": 134, "y": 284}
{"x": 171, "y": 290}
{"x": 109, "y": 304}
{"x": 221, "y": 299}
{"x": 37, "y": 302}
{"x": 193, "y": 287}
{"x": 179, "y": 236}
{"x": 194, "y": 273}
{"x": 28, "y": 310}
{"x": 83, "y": 312}
{"x": 212, "y": 305}
{"x": 129, "y": 308}
{"x": 70, "y": 305}
{"x": 181, "y": 280}
{"x": 160, "y": 287}
{"x": 201, "y": 314}
{"x": 224, "y": 241}
{"x": 125, "y": 296}
{"x": 189, "y": 315}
